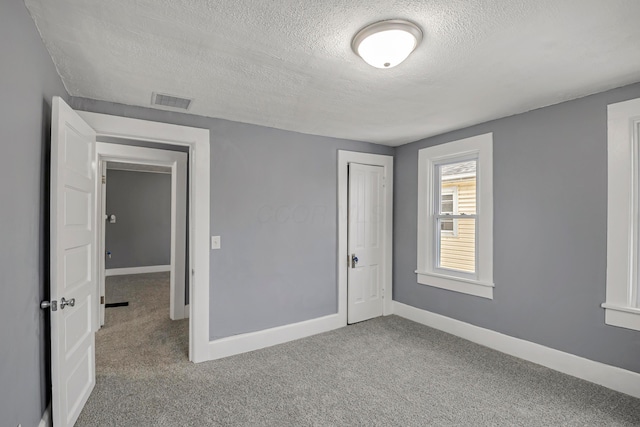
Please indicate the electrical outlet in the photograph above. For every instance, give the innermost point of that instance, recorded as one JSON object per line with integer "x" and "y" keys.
{"x": 215, "y": 242}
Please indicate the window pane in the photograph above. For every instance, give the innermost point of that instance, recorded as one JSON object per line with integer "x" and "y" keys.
{"x": 458, "y": 178}
{"x": 447, "y": 203}
{"x": 458, "y": 252}
{"x": 446, "y": 225}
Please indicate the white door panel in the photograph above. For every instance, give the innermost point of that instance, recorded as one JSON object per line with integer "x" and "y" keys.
{"x": 73, "y": 272}
{"x": 366, "y": 226}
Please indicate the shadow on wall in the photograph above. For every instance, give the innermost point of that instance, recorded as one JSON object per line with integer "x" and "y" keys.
{"x": 45, "y": 259}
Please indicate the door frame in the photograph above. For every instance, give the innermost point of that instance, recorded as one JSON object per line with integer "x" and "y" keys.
{"x": 199, "y": 207}
{"x": 344, "y": 159}
{"x": 177, "y": 161}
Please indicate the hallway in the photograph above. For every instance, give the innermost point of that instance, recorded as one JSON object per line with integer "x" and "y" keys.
{"x": 135, "y": 341}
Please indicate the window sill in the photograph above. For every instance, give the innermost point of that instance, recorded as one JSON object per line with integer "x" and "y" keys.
{"x": 623, "y": 317}
{"x": 456, "y": 284}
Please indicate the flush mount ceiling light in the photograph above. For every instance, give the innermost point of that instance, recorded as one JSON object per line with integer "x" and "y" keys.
{"x": 386, "y": 44}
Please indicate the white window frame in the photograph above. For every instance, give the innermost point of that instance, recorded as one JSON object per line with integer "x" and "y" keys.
{"x": 481, "y": 282}
{"x": 622, "y": 307}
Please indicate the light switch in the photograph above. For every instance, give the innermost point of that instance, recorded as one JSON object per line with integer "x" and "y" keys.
{"x": 215, "y": 242}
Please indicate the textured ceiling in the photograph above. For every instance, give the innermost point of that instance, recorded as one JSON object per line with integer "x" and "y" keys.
{"x": 289, "y": 64}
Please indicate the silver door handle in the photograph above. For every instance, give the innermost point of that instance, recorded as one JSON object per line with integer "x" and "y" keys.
{"x": 64, "y": 303}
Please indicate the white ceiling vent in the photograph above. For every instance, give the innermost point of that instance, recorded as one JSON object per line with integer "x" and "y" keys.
{"x": 170, "y": 102}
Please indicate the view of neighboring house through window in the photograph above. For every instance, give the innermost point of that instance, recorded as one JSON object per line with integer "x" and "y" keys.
{"x": 457, "y": 216}
{"x": 448, "y": 203}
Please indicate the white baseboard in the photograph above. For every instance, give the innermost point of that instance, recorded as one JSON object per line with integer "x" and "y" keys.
{"x": 618, "y": 379}
{"x": 137, "y": 270}
{"x": 243, "y": 343}
{"x": 45, "y": 421}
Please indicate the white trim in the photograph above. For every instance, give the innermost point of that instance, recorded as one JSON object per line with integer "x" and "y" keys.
{"x": 101, "y": 209}
{"x": 200, "y": 162}
{"x": 177, "y": 162}
{"x": 139, "y": 171}
{"x": 621, "y": 316}
{"x": 623, "y": 215}
{"x": 136, "y": 270}
{"x": 617, "y": 379}
{"x": 251, "y": 341}
{"x": 344, "y": 158}
{"x": 45, "y": 421}
{"x": 456, "y": 284}
{"x": 478, "y": 284}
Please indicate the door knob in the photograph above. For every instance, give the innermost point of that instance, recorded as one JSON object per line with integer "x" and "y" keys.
{"x": 354, "y": 260}
{"x": 64, "y": 303}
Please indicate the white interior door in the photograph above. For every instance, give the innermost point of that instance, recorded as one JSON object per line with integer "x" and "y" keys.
{"x": 366, "y": 239}
{"x": 73, "y": 272}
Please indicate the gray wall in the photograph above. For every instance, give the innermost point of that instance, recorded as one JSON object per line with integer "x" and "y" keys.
{"x": 28, "y": 80}
{"x": 141, "y": 235}
{"x": 550, "y": 228}
{"x": 273, "y": 202}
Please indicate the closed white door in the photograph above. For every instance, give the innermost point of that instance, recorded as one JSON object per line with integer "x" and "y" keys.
{"x": 366, "y": 240}
{"x": 73, "y": 261}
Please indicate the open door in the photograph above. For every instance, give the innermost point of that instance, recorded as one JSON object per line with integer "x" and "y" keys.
{"x": 365, "y": 243}
{"x": 73, "y": 272}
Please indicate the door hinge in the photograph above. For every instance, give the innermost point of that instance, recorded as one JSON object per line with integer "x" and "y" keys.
{"x": 102, "y": 299}
{"x": 53, "y": 305}
{"x": 104, "y": 179}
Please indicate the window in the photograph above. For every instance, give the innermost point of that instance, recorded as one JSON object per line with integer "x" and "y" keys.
{"x": 455, "y": 242}
{"x": 455, "y": 216}
{"x": 622, "y": 307}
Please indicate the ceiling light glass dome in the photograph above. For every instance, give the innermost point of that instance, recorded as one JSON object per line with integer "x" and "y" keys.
{"x": 386, "y": 44}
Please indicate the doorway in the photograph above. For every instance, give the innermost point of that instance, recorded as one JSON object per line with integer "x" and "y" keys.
{"x": 197, "y": 142}
{"x": 125, "y": 244}
{"x": 74, "y": 244}
{"x": 365, "y": 233}
{"x": 365, "y": 242}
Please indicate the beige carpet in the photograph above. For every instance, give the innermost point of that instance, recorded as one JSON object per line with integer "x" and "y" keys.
{"x": 384, "y": 372}
{"x": 141, "y": 335}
